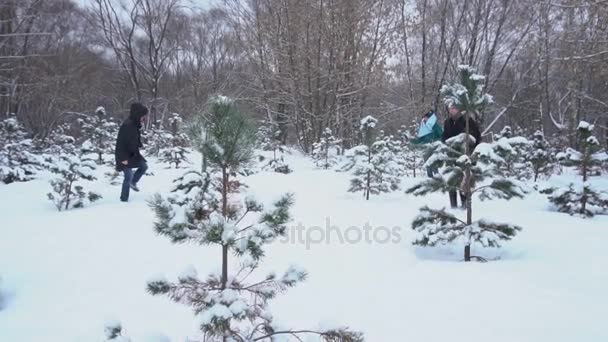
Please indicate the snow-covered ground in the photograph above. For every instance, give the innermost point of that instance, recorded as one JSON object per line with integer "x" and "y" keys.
{"x": 65, "y": 274}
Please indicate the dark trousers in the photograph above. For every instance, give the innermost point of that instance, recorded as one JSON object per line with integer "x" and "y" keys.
{"x": 454, "y": 200}
{"x": 131, "y": 178}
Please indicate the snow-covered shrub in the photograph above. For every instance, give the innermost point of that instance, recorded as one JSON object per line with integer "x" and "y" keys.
{"x": 477, "y": 171}
{"x": 155, "y": 139}
{"x": 411, "y": 156}
{"x": 176, "y": 151}
{"x": 268, "y": 139}
{"x": 100, "y": 134}
{"x": 583, "y": 198}
{"x": 18, "y": 163}
{"x": 373, "y": 164}
{"x": 514, "y": 152}
{"x": 325, "y": 152}
{"x": 205, "y": 208}
{"x": 539, "y": 156}
{"x": 278, "y": 165}
{"x": 68, "y": 191}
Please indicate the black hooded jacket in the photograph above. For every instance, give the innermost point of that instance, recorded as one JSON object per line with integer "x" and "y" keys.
{"x": 128, "y": 141}
{"x": 452, "y": 128}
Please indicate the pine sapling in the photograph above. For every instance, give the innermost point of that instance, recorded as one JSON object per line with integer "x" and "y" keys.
{"x": 18, "y": 163}
{"x": 539, "y": 156}
{"x": 470, "y": 171}
{"x": 268, "y": 138}
{"x": 100, "y": 133}
{"x": 582, "y": 199}
{"x": 176, "y": 152}
{"x": 325, "y": 152}
{"x": 206, "y": 207}
{"x": 70, "y": 169}
{"x": 514, "y": 151}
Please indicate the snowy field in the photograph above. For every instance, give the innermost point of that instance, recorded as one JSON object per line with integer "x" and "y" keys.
{"x": 65, "y": 274}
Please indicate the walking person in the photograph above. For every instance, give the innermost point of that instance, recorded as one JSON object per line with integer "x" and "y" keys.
{"x": 429, "y": 131}
{"x": 127, "y": 152}
{"x": 455, "y": 125}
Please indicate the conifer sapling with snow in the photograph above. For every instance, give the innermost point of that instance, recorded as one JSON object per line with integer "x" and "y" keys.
{"x": 268, "y": 139}
{"x": 373, "y": 163}
{"x": 325, "y": 152}
{"x": 583, "y": 198}
{"x": 472, "y": 172}
{"x": 514, "y": 150}
{"x": 18, "y": 163}
{"x": 101, "y": 134}
{"x": 411, "y": 156}
{"x": 176, "y": 151}
{"x": 207, "y": 208}
{"x": 71, "y": 167}
{"x": 539, "y": 156}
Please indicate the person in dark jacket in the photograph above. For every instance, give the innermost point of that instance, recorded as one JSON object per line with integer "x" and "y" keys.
{"x": 127, "y": 152}
{"x": 455, "y": 125}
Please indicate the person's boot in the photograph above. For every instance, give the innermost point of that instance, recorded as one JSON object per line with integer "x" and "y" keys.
{"x": 453, "y": 200}
{"x": 134, "y": 187}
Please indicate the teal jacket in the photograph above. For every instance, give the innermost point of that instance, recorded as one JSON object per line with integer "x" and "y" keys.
{"x": 435, "y": 135}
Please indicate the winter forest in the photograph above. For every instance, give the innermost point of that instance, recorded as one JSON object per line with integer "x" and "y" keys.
{"x": 303, "y": 170}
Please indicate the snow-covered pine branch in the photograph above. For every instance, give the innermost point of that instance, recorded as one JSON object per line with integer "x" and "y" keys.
{"x": 113, "y": 332}
{"x": 438, "y": 227}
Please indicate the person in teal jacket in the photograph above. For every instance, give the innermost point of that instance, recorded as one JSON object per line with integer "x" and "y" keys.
{"x": 429, "y": 131}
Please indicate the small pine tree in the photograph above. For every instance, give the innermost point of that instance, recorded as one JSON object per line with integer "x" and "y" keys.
{"x": 268, "y": 139}
{"x": 410, "y": 156}
{"x": 373, "y": 163}
{"x": 70, "y": 169}
{"x": 325, "y": 152}
{"x": 18, "y": 163}
{"x": 155, "y": 138}
{"x": 582, "y": 199}
{"x": 514, "y": 152}
{"x": 176, "y": 152}
{"x": 472, "y": 172}
{"x": 100, "y": 133}
{"x": 205, "y": 208}
{"x": 387, "y": 170}
{"x": 539, "y": 156}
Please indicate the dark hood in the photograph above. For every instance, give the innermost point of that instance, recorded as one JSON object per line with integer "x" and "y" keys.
{"x": 138, "y": 110}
